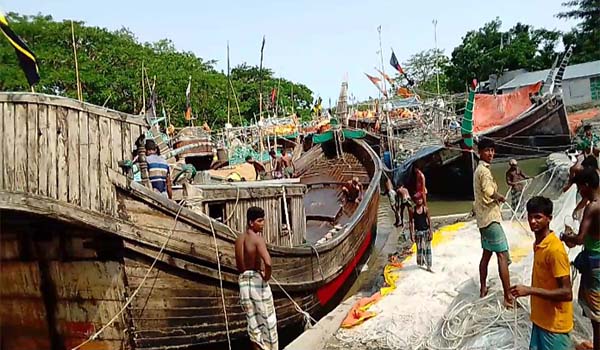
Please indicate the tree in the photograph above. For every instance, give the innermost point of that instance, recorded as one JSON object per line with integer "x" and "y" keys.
{"x": 585, "y": 38}
{"x": 425, "y": 67}
{"x": 490, "y": 51}
{"x": 110, "y": 66}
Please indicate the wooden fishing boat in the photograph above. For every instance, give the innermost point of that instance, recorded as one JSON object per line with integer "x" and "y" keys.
{"x": 85, "y": 249}
{"x": 200, "y": 156}
{"x": 538, "y": 131}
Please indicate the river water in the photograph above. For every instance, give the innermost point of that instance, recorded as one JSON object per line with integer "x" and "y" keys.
{"x": 531, "y": 167}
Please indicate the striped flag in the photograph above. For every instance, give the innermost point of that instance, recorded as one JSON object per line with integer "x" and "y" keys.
{"x": 188, "y": 102}
{"x": 27, "y": 59}
{"x": 394, "y": 62}
{"x": 375, "y": 82}
{"x": 385, "y": 76}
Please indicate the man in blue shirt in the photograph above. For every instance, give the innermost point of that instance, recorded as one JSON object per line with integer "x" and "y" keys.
{"x": 158, "y": 170}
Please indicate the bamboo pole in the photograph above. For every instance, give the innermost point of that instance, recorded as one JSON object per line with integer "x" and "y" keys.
{"x": 79, "y": 94}
{"x": 143, "y": 91}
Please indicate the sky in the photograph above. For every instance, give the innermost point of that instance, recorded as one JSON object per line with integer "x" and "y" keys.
{"x": 316, "y": 43}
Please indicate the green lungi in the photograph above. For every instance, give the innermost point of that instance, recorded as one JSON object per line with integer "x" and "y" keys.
{"x": 493, "y": 238}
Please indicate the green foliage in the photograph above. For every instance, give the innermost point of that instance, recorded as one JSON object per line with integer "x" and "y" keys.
{"x": 110, "y": 67}
{"x": 425, "y": 68}
{"x": 585, "y": 38}
{"x": 490, "y": 51}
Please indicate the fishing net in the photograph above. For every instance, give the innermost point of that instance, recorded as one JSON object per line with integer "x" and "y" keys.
{"x": 443, "y": 310}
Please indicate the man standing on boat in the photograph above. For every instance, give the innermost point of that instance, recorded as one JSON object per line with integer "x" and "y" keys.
{"x": 259, "y": 168}
{"x": 288, "y": 165}
{"x": 488, "y": 215}
{"x": 251, "y": 255}
{"x": 515, "y": 179}
{"x": 158, "y": 170}
{"x": 277, "y": 165}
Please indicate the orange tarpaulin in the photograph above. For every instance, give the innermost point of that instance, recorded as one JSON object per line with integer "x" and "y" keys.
{"x": 360, "y": 310}
{"x": 491, "y": 111}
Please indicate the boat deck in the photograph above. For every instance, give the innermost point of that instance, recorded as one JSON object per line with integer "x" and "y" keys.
{"x": 323, "y": 201}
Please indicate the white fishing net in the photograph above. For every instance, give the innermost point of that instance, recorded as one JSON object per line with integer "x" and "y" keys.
{"x": 442, "y": 310}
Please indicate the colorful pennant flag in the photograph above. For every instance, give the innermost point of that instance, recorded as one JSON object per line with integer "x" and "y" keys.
{"x": 27, "y": 59}
{"x": 273, "y": 96}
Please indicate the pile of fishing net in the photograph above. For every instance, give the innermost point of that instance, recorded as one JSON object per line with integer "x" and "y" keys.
{"x": 443, "y": 310}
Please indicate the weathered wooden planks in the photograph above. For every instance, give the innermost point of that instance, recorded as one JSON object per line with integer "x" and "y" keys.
{"x": 73, "y": 156}
{"x": 1, "y": 146}
{"x": 51, "y": 155}
{"x": 94, "y": 162}
{"x": 116, "y": 143}
{"x": 106, "y": 195}
{"x": 62, "y": 171}
{"x": 84, "y": 160}
{"x": 32, "y": 148}
{"x": 20, "y": 146}
{"x": 42, "y": 150}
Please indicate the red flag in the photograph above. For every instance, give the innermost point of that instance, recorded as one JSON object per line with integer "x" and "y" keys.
{"x": 273, "y": 95}
{"x": 375, "y": 82}
{"x": 385, "y": 76}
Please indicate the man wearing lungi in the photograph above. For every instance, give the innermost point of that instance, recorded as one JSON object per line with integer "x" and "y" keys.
{"x": 488, "y": 215}
{"x": 588, "y": 261}
{"x": 255, "y": 294}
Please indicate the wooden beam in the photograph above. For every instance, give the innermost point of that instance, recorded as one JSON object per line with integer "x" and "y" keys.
{"x": 59, "y": 101}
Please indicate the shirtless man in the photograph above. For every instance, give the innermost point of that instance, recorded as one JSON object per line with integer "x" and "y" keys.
{"x": 353, "y": 190}
{"x": 288, "y": 165}
{"x": 277, "y": 164}
{"x": 403, "y": 202}
{"x": 588, "y": 261}
{"x": 255, "y": 294}
{"x": 259, "y": 169}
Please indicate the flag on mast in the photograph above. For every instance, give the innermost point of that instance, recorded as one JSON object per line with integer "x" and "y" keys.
{"x": 27, "y": 59}
{"x": 273, "y": 96}
{"x": 385, "y": 76}
{"x": 375, "y": 82}
{"x": 394, "y": 62}
{"x": 188, "y": 103}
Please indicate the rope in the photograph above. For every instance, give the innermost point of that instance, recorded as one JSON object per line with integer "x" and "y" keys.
{"x": 237, "y": 199}
{"x": 318, "y": 261}
{"x": 308, "y": 319}
{"x": 139, "y": 287}
{"x": 212, "y": 229}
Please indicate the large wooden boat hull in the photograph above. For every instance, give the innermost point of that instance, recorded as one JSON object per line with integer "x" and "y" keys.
{"x": 539, "y": 131}
{"x": 79, "y": 240}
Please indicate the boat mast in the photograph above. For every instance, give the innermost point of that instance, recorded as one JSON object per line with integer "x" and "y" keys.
{"x": 387, "y": 115}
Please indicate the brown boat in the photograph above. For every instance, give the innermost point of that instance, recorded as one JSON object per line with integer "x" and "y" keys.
{"x": 84, "y": 249}
{"x": 200, "y": 156}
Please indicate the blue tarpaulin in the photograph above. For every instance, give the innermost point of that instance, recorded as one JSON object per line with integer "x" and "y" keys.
{"x": 403, "y": 171}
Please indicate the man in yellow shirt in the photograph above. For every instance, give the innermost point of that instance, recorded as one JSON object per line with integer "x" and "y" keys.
{"x": 550, "y": 291}
{"x": 488, "y": 215}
